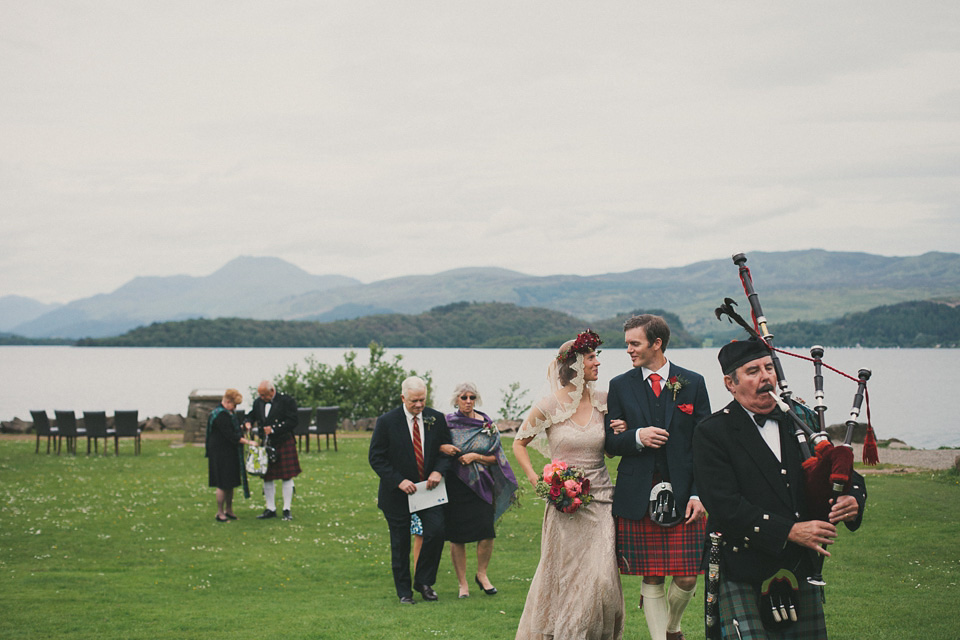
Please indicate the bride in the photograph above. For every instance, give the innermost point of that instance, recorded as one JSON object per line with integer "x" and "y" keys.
{"x": 575, "y": 592}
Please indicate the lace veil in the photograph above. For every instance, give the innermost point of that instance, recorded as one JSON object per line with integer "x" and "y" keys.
{"x": 559, "y": 402}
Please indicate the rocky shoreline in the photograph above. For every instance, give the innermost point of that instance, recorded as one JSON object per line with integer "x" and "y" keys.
{"x": 914, "y": 459}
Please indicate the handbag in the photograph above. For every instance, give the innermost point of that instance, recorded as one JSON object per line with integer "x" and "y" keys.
{"x": 257, "y": 461}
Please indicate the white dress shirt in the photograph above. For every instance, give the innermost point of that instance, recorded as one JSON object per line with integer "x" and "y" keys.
{"x": 770, "y": 432}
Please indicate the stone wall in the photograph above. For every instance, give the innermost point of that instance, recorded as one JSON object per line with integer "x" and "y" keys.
{"x": 202, "y": 403}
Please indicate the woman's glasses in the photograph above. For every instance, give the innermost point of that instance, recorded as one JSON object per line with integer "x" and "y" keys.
{"x": 466, "y": 397}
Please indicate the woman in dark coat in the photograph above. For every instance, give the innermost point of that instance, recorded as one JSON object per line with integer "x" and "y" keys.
{"x": 225, "y": 453}
{"x": 480, "y": 486}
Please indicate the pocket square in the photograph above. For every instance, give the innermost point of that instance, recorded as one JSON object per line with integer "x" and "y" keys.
{"x": 686, "y": 408}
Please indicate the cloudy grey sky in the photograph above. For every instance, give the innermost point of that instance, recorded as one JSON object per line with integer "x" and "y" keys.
{"x": 378, "y": 139}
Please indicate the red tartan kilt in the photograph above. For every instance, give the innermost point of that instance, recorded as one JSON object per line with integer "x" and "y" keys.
{"x": 647, "y": 549}
{"x": 288, "y": 466}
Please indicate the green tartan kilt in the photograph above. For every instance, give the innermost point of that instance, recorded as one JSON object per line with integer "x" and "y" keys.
{"x": 739, "y": 601}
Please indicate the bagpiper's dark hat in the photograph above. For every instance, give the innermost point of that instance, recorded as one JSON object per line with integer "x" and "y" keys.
{"x": 734, "y": 355}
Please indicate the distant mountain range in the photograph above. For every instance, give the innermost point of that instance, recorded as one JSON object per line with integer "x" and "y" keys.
{"x": 812, "y": 285}
{"x": 17, "y": 310}
{"x": 244, "y": 287}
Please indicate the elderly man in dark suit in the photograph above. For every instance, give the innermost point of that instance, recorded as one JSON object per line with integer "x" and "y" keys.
{"x": 275, "y": 414}
{"x": 757, "y": 502}
{"x": 405, "y": 450}
{"x": 661, "y": 404}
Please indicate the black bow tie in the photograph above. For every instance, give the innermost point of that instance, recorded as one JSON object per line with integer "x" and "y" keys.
{"x": 761, "y": 418}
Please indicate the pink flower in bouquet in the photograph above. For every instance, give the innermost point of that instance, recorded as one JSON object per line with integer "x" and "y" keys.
{"x": 555, "y": 491}
{"x": 573, "y": 506}
{"x": 551, "y": 468}
{"x": 572, "y": 488}
{"x": 548, "y": 472}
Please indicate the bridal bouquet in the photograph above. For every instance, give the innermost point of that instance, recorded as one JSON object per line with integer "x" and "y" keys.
{"x": 564, "y": 487}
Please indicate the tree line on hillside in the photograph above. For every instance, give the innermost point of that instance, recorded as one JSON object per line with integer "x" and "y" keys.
{"x": 10, "y": 339}
{"x": 461, "y": 324}
{"x": 919, "y": 324}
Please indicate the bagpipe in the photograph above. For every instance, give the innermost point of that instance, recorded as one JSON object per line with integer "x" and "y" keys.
{"x": 828, "y": 468}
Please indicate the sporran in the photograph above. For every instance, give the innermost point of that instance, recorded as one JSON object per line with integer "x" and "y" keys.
{"x": 663, "y": 505}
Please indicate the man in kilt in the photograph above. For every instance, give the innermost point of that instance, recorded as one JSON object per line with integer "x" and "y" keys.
{"x": 756, "y": 499}
{"x": 275, "y": 414}
{"x": 661, "y": 405}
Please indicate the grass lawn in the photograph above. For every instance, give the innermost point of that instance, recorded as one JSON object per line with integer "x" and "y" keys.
{"x": 127, "y": 547}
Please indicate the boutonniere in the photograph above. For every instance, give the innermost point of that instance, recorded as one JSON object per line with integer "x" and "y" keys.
{"x": 428, "y": 422}
{"x": 675, "y": 383}
{"x": 490, "y": 428}
{"x": 686, "y": 408}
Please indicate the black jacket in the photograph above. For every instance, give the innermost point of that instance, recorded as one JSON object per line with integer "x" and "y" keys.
{"x": 282, "y": 417}
{"x": 751, "y": 498}
{"x": 391, "y": 455}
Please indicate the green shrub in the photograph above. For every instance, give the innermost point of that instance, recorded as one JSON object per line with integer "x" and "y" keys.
{"x": 514, "y": 407}
{"x": 360, "y": 391}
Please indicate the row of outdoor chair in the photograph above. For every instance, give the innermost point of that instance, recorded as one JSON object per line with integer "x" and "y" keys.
{"x": 126, "y": 425}
{"x": 325, "y": 425}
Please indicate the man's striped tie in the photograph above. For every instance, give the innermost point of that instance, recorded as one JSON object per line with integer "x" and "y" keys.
{"x": 417, "y": 447}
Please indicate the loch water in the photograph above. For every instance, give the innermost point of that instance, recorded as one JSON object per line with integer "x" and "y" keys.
{"x": 910, "y": 390}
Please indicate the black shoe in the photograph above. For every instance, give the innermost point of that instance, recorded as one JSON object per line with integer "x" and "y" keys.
{"x": 428, "y": 594}
{"x": 267, "y": 514}
{"x": 219, "y": 519}
{"x": 230, "y": 516}
{"x": 407, "y": 600}
{"x": 286, "y": 514}
{"x": 491, "y": 591}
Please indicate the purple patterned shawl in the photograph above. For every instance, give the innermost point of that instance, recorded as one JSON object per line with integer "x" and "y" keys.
{"x": 496, "y": 483}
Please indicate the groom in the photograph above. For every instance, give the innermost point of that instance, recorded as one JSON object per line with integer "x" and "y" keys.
{"x": 404, "y": 450}
{"x": 661, "y": 404}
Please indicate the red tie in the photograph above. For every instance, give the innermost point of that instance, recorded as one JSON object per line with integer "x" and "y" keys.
{"x": 417, "y": 447}
{"x": 655, "y": 382}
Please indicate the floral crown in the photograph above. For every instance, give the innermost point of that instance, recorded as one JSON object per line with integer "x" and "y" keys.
{"x": 586, "y": 341}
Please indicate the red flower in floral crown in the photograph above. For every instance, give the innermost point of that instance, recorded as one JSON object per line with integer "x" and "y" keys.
{"x": 587, "y": 340}
{"x": 686, "y": 408}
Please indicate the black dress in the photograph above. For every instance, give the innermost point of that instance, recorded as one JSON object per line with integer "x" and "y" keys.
{"x": 223, "y": 451}
{"x": 468, "y": 517}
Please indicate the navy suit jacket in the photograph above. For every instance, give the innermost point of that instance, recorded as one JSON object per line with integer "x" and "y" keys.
{"x": 627, "y": 400}
{"x": 391, "y": 455}
{"x": 753, "y": 499}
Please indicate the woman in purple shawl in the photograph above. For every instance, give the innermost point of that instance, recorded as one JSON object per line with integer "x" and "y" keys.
{"x": 479, "y": 489}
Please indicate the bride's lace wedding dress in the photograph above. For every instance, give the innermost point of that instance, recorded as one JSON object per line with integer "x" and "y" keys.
{"x": 576, "y": 593}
